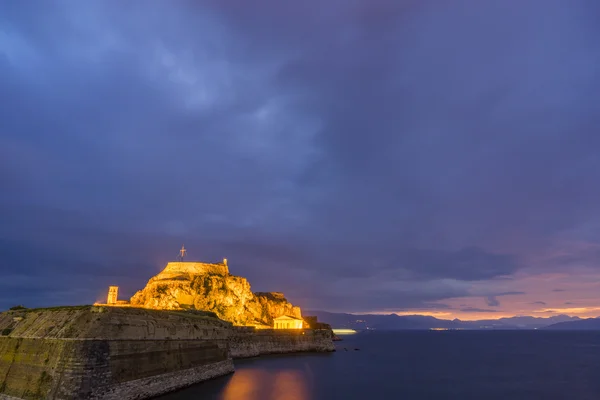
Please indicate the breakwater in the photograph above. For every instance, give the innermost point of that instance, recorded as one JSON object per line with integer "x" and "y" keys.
{"x": 127, "y": 353}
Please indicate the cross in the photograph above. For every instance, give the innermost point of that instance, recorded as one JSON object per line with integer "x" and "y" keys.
{"x": 182, "y": 252}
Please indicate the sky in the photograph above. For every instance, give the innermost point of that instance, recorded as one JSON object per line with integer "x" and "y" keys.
{"x": 411, "y": 156}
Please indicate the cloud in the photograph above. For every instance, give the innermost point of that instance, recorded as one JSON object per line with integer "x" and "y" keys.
{"x": 492, "y": 301}
{"x": 541, "y": 303}
{"x": 474, "y": 309}
{"x": 513, "y": 293}
{"x": 558, "y": 290}
{"x": 356, "y": 165}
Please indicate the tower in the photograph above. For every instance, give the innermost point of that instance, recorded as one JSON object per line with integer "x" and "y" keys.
{"x": 225, "y": 261}
{"x": 113, "y": 293}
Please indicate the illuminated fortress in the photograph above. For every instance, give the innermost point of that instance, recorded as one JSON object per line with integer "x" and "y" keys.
{"x": 205, "y": 286}
{"x": 184, "y": 270}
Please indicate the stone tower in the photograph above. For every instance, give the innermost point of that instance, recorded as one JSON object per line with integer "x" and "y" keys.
{"x": 113, "y": 292}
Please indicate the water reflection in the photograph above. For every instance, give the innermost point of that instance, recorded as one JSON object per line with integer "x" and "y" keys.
{"x": 244, "y": 385}
{"x": 258, "y": 384}
{"x": 289, "y": 385}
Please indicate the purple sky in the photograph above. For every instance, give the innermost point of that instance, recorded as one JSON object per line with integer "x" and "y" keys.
{"x": 426, "y": 156}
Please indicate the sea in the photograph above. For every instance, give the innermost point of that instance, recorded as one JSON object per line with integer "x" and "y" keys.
{"x": 422, "y": 365}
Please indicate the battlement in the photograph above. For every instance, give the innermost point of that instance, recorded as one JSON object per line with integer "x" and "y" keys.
{"x": 271, "y": 295}
{"x": 184, "y": 269}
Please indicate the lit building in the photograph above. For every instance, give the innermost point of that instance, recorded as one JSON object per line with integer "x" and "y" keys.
{"x": 287, "y": 322}
{"x": 113, "y": 292}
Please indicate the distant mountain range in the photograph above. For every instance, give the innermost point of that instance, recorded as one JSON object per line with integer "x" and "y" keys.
{"x": 589, "y": 324}
{"x": 415, "y": 322}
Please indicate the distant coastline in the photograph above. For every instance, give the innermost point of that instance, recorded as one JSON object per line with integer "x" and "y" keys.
{"x": 361, "y": 322}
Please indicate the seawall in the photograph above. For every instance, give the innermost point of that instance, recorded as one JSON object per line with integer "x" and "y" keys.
{"x": 246, "y": 342}
{"x": 101, "y": 369}
{"x": 108, "y": 352}
{"x": 127, "y": 353}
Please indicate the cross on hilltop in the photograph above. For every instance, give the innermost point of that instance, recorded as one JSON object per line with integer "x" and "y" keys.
{"x": 182, "y": 253}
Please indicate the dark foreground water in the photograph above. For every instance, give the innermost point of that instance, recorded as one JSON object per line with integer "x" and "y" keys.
{"x": 423, "y": 365}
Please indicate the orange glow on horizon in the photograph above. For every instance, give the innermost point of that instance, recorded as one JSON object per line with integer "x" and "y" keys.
{"x": 582, "y": 312}
{"x": 573, "y": 311}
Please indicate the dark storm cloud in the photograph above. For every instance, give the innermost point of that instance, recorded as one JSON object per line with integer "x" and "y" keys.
{"x": 466, "y": 264}
{"x": 357, "y": 156}
{"x": 442, "y": 110}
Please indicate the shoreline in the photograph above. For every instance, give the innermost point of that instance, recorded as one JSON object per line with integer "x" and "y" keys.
{"x": 129, "y": 353}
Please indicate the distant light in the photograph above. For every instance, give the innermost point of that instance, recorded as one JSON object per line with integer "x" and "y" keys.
{"x": 344, "y": 331}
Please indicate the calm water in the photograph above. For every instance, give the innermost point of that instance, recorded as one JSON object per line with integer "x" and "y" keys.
{"x": 423, "y": 365}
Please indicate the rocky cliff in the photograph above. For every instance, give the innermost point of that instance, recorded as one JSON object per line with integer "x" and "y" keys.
{"x": 210, "y": 287}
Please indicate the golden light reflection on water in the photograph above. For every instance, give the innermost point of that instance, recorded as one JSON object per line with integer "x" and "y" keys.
{"x": 267, "y": 385}
{"x": 289, "y": 385}
{"x": 245, "y": 384}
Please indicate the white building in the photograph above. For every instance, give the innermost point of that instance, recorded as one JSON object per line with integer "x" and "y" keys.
{"x": 287, "y": 322}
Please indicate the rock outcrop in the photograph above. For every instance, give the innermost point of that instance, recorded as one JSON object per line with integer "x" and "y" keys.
{"x": 210, "y": 287}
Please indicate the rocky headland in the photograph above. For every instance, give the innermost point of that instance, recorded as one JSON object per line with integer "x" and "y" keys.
{"x": 210, "y": 287}
{"x": 186, "y": 326}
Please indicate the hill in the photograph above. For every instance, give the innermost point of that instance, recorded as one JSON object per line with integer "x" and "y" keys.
{"x": 210, "y": 287}
{"x": 589, "y": 324}
{"x": 408, "y": 322}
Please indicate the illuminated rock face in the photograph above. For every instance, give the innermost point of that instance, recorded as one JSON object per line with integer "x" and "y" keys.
{"x": 178, "y": 270}
{"x": 210, "y": 287}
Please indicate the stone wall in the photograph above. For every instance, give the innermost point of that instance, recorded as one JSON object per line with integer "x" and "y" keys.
{"x": 97, "y": 322}
{"x": 175, "y": 270}
{"x": 157, "y": 385}
{"x": 251, "y": 343}
{"x": 29, "y": 367}
{"x": 128, "y": 353}
{"x": 100, "y": 369}
{"x": 108, "y": 352}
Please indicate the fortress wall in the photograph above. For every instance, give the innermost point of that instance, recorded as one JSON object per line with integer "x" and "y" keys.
{"x": 271, "y": 295}
{"x": 102, "y": 369}
{"x": 247, "y": 343}
{"x": 128, "y": 353}
{"x": 97, "y": 322}
{"x": 28, "y": 367}
{"x": 177, "y": 269}
{"x": 108, "y": 352}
